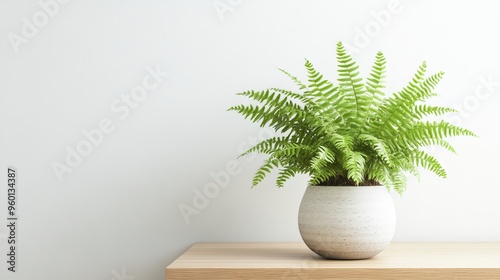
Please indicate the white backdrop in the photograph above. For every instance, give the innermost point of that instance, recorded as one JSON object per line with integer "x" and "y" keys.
{"x": 114, "y": 113}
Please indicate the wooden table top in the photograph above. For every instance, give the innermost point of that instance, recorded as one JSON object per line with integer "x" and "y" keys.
{"x": 296, "y": 261}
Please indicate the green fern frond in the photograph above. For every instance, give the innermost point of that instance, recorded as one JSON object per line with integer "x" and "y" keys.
{"x": 422, "y": 110}
{"x": 396, "y": 112}
{"x": 293, "y": 95}
{"x": 354, "y": 164}
{"x": 285, "y": 174}
{"x": 323, "y": 96}
{"x": 378, "y": 146}
{"x": 267, "y": 146}
{"x": 422, "y": 159}
{"x": 318, "y": 177}
{"x": 438, "y": 142}
{"x": 263, "y": 170}
{"x": 295, "y": 79}
{"x": 279, "y": 113}
{"x": 351, "y": 85}
{"x": 350, "y": 133}
{"x": 398, "y": 181}
{"x": 374, "y": 85}
{"x": 291, "y": 150}
{"x": 437, "y": 129}
{"x": 322, "y": 158}
{"x": 343, "y": 143}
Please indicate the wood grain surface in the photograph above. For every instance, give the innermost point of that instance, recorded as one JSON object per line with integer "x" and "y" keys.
{"x": 296, "y": 261}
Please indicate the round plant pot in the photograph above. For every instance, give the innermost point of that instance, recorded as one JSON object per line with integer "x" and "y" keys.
{"x": 348, "y": 223}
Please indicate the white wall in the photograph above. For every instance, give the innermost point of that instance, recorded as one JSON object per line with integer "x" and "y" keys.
{"x": 116, "y": 213}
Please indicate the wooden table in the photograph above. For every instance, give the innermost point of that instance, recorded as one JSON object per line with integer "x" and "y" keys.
{"x": 296, "y": 261}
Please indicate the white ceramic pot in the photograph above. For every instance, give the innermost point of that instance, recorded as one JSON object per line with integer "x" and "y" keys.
{"x": 347, "y": 222}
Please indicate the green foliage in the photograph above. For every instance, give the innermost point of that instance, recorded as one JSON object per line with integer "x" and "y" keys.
{"x": 350, "y": 133}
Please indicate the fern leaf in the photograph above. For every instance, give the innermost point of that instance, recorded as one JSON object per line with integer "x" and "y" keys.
{"x": 318, "y": 177}
{"x": 322, "y": 158}
{"x": 291, "y": 150}
{"x": 437, "y": 129}
{"x": 267, "y": 146}
{"x": 295, "y": 79}
{"x": 422, "y": 110}
{"x": 398, "y": 181}
{"x": 324, "y": 96}
{"x": 354, "y": 165}
{"x": 428, "y": 162}
{"x": 265, "y": 169}
{"x": 397, "y": 112}
{"x": 374, "y": 85}
{"x": 349, "y": 132}
{"x": 437, "y": 142}
{"x": 285, "y": 174}
{"x": 279, "y": 113}
{"x": 351, "y": 85}
{"x": 293, "y": 95}
{"x": 342, "y": 142}
{"x": 378, "y": 146}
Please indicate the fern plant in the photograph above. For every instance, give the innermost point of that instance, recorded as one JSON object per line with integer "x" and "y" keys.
{"x": 350, "y": 132}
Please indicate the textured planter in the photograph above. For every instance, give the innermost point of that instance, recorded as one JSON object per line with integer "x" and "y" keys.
{"x": 347, "y": 222}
